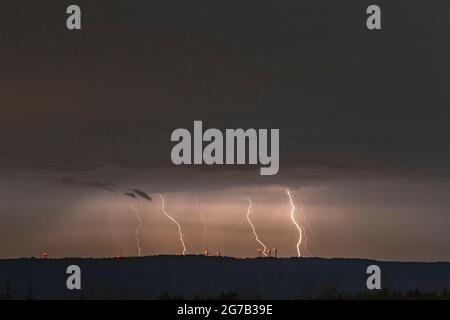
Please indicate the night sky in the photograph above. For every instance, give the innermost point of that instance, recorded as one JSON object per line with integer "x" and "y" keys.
{"x": 363, "y": 118}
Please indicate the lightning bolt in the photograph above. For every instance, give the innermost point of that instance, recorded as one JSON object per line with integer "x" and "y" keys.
{"x": 205, "y": 229}
{"x": 299, "y": 242}
{"x": 138, "y": 229}
{"x": 305, "y": 238}
{"x": 174, "y": 221}
{"x": 250, "y": 204}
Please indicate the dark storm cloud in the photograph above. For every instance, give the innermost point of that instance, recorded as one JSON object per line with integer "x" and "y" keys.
{"x": 130, "y": 194}
{"x": 91, "y": 184}
{"x": 100, "y": 185}
{"x": 342, "y": 97}
{"x": 358, "y": 111}
{"x": 142, "y": 194}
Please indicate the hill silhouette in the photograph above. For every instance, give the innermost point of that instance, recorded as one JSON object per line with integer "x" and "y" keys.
{"x": 189, "y": 277}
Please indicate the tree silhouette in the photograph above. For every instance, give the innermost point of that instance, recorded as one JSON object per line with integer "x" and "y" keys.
{"x": 30, "y": 293}
{"x": 7, "y": 292}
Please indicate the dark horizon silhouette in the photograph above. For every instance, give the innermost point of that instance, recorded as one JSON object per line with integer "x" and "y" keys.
{"x": 189, "y": 277}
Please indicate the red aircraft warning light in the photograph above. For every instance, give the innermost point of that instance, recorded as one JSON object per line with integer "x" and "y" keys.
{"x": 45, "y": 254}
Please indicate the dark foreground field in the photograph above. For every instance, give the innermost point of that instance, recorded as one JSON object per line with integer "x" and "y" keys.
{"x": 187, "y": 277}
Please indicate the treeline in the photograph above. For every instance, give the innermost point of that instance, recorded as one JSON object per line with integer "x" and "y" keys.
{"x": 384, "y": 294}
{"x": 387, "y": 294}
{"x": 7, "y": 292}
